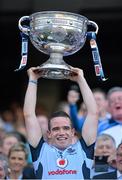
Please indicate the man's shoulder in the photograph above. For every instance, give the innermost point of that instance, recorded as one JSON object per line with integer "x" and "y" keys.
{"x": 88, "y": 149}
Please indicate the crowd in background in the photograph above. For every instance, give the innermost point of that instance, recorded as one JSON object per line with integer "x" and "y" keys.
{"x": 15, "y": 157}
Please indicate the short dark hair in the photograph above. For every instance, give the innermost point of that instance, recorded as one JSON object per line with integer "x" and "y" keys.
{"x": 74, "y": 87}
{"x": 59, "y": 114}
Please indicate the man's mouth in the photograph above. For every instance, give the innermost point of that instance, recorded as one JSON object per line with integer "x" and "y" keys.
{"x": 61, "y": 138}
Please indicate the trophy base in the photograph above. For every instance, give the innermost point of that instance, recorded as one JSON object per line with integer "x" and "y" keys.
{"x": 55, "y": 67}
{"x": 53, "y": 71}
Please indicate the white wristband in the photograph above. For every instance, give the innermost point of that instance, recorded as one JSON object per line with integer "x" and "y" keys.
{"x": 33, "y": 81}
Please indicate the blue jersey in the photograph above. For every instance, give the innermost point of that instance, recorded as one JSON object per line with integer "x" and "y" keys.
{"x": 75, "y": 162}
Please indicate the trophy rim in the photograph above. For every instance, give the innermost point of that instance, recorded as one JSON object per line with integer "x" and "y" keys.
{"x": 77, "y": 18}
{"x": 59, "y": 12}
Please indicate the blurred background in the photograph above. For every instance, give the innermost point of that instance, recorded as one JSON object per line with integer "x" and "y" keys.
{"x": 106, "y": 13}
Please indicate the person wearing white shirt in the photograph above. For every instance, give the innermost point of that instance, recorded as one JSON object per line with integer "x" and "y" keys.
{"x": 113, "y": 126}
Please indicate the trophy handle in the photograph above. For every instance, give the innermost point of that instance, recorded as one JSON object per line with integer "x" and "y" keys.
{"x": 95, "y": 25}
{"x": 25, "y": 29}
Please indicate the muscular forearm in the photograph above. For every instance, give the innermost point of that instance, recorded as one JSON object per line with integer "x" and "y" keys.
{"x": 30, "y": 97}
{"x": 32, "y": 125}
{"x": 87, "y": 95}
{"x": 89, "y": 130}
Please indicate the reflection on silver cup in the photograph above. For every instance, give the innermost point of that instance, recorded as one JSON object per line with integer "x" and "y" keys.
{"x": 57, "y": 34}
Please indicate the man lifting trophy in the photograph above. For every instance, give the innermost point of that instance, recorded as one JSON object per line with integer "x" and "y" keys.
{"x": 58, "y": 34}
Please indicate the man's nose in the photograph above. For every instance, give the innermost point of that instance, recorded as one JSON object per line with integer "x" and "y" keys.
{"x": 61, "y": 131}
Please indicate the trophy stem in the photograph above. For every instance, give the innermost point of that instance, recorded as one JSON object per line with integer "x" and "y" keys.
{"x": 56, "y": 58}
{"x": 55, "y": 67}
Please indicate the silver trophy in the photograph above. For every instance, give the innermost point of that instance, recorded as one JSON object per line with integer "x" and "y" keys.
{"x": 57, "y": 34}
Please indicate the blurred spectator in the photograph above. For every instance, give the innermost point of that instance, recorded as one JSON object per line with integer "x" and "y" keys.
{"x": 119, "y": 161}
{"x": 3, "y": 167}
{"x": 77, "y": 117}
{"x": 117, "y": 173}
{"x": 102, "y": 102}
{"x": 18, "y": 113}
{"x": 12, "y": 138}
{"x": 105, "y": 155}
{"x": 21, "y": 130}
{"x": 9, "y": 140}
{"x": 2, "y": 135}
{"x": 82, "y": 110}
{"x": 17, "y": 157}
{"x": 113, "y": 126}
{"x": 8, "y": 119}
{"x": 1, "y": 123}
{"x": 106, "y": 146}
{"x": 41, "y": 114}
{"x": 63, "y": 106}
{"x": 43, "y": 122}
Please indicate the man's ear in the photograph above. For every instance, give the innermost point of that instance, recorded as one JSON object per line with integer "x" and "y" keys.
{"x": 48, "y": 134}
{"x": 73, "y": 131}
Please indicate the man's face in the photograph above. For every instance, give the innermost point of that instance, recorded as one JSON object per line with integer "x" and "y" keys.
{"x": 101, "y": 101}
{"x": 119, "y": 159}
{"x": 61, "y": 132}
{"x": 73, "y": 96}
{"x": 104, "y": 148}
{"x": 115, "y": 105}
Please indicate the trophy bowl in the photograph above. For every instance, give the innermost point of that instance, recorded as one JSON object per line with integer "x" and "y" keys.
{"x": 57, "y": 34}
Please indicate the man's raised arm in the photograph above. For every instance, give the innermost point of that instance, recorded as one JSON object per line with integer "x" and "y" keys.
{"x": 32, "y": 126}
{"x": 89, "y": 129}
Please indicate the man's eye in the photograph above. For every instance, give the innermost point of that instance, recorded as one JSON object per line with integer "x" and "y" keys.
{"x": 66, "y": 127}
{"x": 55, "y": 129}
